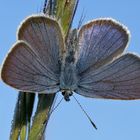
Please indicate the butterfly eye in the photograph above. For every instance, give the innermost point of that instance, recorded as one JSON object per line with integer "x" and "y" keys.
{"x": 63, "y": 93}
{"x": 70, "y": 94}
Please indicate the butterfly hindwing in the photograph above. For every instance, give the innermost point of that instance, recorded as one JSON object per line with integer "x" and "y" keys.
{"x": 117, "y": 80}
{"x": 33, "y": 64}
{"x": 24, "y": 71}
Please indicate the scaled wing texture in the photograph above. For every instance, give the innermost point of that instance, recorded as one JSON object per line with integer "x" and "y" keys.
{"x": 33, "y": 62}
{"x": 104, "y": 71}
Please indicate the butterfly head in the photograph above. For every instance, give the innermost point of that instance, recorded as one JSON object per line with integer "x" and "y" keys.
{"x": 67, "y": 94}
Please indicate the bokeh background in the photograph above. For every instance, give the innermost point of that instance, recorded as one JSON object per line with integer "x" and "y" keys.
{"x": 116, "y": 120}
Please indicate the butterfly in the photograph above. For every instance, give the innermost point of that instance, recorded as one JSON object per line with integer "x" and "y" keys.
{"x": 90, "y": 63}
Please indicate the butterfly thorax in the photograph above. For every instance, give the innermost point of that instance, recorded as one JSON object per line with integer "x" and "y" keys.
{"x": 68, "y": 78}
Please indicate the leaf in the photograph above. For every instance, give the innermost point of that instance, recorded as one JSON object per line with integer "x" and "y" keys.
{"x": 30, "y": 98}
{"x": 65, "y": 11}
{"x": 41, "y": 116}
{"x": 22, "y": 115}
{"x": 16, "y": 123}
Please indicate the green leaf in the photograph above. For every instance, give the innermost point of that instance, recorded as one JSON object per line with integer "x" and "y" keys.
{"x": 30, "y": 98}
{"x": 41, "y": 116}
{"x": 22, "y": 115}
{"x": 19, "y": 115}
{"x": 65, "y": 11}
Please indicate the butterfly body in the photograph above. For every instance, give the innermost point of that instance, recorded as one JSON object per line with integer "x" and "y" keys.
{"x": 68, "y": 78}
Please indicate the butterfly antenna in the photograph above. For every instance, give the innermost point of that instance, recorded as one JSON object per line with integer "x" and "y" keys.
{"x": 49, "y": 7}
{"x": 93, "y": 124}
{"x": 75, "y": 8}
{"x": 55, "y": 107}
{"x": 82, "y": 18}
{"x": 45, "y": 7}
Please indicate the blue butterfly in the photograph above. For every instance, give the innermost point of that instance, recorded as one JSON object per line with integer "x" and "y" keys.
{"x": 90, "y": 63}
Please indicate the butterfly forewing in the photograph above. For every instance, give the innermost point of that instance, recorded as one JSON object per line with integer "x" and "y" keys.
{"x": 33, "y": 64}
{"x": 45, "y": 38}
{"x": 100, "y": 41}
{"x": 23, "y": 70}
{"x": 117, "y": 80}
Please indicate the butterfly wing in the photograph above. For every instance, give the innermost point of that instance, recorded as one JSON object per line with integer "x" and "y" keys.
{"x": 24, "y": 71}
{"x": 100, "y": 41}
{"x": 117, "y": 80}
{"x": 45, "y": 38}
{"x": 37, "y": 66}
